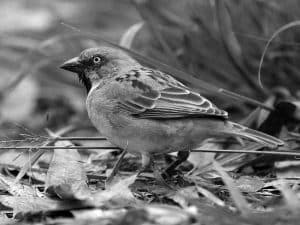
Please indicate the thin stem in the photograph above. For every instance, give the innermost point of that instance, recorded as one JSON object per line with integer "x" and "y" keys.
{"x": 284, "y": 153}
{"x": 115, "y": 168}
{"x": 246, "y": 99}
{"x": 56, "y": 139}
{"x": 268, "y": 152}
{"x": 80, "y": 138}
{"x": 57, "y": 147}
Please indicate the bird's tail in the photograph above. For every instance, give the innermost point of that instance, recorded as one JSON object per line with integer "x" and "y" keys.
{"x": 253, "y": 135}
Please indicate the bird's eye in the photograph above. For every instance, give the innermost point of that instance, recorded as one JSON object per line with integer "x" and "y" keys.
{"x": 97, "y": 59}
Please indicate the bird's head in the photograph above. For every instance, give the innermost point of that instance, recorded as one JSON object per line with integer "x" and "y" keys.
{"x": 94, "y": 64}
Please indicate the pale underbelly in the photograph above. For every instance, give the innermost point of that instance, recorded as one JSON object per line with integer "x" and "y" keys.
{"x": 152, "y": 136}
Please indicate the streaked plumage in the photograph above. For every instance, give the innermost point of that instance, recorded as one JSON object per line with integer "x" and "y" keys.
{"x": 145, "y": 111}
{"x": 160, "y": 96}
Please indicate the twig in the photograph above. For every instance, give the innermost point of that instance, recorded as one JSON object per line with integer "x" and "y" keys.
{"x": 266, "y": 152}
{"x": 81, "y": 139}
{"x": 57, "y": 147}
{"x": 115, "y": 168}
{"x": 283, "y": 153}
{"x": 41, "y": 138}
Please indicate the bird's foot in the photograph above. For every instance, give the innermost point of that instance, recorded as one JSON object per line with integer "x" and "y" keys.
{"x": 161, "y": 179}
{"x": 171, "y": 169}
{"x": 169, "y": 174}
{"x": 177, "y": 178}
{"x": 147, "y": 162}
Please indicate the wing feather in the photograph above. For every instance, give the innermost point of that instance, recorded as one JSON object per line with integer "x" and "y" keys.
{"x": 175, "y": 90}
{"x": 166, "y": 99}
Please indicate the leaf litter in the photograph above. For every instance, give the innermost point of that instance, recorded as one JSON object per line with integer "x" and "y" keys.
{"x": 222, "y": 188}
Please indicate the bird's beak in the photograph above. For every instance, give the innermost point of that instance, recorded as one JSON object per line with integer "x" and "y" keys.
{"x": 73, "y": 65}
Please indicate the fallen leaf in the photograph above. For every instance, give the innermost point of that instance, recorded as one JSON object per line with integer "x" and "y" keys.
{"x": 117, "y": 194}
{"x": 66, "y": 177}
{"x": 16, "y": 189}
{"x": 249, "y": 184}
{"x": 26, "y": 204}
{"x": 184, "y": 195}
{"x": 24, "y": 198}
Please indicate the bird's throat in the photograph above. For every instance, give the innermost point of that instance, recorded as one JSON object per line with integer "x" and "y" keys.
{"x": 86, "y": 82}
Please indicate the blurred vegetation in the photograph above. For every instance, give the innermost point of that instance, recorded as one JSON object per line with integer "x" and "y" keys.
{"x": 33, "y": 46}
{"x": 222, "y": 41}
{"x": 218, "y": 41}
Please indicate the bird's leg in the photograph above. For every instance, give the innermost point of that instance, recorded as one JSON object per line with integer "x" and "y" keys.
{"x": 181, "y": 157}
{"x": 116, "y": 167}
{"x": 146, "y": 162}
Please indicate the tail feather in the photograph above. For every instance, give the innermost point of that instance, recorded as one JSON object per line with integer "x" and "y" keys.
{"x": 254, "y": 135}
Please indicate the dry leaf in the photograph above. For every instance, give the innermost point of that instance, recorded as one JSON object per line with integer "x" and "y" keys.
{"x": 184, "y": 195}
{"x": 8, "y": 184}
{"x": 249, "y": 184}
{"x": 26, "y": 204}
{"x": 66, "y": 176}
{"x": 24, "y": 198}
{"x": 117, "y": 194}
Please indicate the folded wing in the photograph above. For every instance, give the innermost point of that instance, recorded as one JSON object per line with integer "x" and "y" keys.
{"x": 172, "y": 100}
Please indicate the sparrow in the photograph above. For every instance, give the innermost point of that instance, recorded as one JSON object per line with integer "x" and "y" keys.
{"x": 145, "y": 111}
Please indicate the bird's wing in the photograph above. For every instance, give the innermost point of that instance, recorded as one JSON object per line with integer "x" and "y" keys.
{"x": 159, "y": 96}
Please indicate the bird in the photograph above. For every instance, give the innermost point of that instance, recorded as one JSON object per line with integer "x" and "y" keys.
{"x": 146, "y": 111}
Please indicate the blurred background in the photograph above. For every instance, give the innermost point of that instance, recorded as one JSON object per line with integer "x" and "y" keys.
{"x": 220, "y": 42}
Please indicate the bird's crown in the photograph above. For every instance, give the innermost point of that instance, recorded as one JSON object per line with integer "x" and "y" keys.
{"x": 105, "y": 52}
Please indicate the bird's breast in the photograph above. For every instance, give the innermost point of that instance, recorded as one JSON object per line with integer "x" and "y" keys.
{"x": 143, "y": 135}
{"x": 98, "y": 108}
{"x": 138, "y": 135}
